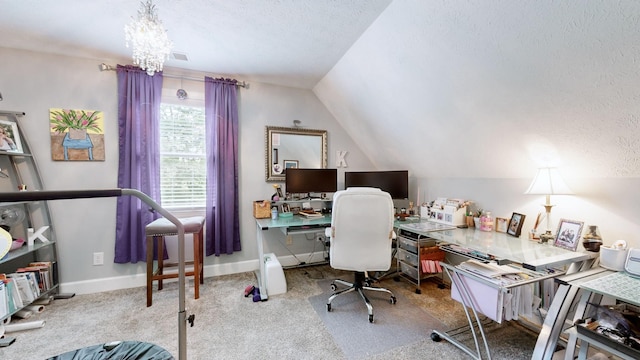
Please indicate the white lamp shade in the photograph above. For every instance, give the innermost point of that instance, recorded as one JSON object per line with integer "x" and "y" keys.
{"x": 548, "y": 182}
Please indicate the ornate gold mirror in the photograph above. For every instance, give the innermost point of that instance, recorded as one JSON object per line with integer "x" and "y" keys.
{"x": 293, "y": 147}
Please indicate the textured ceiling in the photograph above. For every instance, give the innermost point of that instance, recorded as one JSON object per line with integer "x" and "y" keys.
{"x": 285, "y": 42}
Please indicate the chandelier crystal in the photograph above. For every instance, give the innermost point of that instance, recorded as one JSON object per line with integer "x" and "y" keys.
{"x": 151, "y": 46}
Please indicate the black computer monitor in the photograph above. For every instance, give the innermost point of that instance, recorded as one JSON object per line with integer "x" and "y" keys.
{"x": 307, "y": 181}
{"x": 396, "y": 183}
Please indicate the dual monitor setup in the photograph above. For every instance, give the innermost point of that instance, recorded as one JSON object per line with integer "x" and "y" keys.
{"x": 318, "y": 181}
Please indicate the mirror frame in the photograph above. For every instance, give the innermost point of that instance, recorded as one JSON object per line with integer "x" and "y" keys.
{"x": 270, "y": 130}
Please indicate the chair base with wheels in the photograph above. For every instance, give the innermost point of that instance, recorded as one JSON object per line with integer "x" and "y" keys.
{"x": 156, "y": 231}
{"x": 361, "y": 283}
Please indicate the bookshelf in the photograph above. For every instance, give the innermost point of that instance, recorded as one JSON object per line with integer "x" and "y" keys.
{"x": 27, "y": 220}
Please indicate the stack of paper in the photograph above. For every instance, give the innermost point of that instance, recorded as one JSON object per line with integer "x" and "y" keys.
{"x": 310, "y": 214}
{"x": 490, "y": 270}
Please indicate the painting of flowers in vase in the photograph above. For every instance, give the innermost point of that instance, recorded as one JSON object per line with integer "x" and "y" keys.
{"x": 76, "y": 135}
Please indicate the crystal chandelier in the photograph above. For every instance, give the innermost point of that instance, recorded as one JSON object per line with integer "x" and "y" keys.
{"x": 151, "y": 46}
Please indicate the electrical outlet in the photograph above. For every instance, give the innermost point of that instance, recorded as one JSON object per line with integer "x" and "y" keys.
{"x": 98, "y": 258}
{"x": 289, "y": 239}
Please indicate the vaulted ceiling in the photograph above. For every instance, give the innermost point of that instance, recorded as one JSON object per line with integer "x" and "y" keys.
{"x": 286, "y": 42}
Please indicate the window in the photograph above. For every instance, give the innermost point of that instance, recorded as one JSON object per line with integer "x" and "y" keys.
{"x": 182, "y": 156}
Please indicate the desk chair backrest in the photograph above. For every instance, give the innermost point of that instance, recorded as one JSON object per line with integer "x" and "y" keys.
{"x": 361, "y": 230}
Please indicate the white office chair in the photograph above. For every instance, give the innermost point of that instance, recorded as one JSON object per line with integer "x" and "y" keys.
{"x": 360, "y": 236}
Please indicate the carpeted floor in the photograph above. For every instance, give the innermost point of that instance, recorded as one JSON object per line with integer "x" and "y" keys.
{"x": 394, "y": 325}
{"x": 294, "y": 325}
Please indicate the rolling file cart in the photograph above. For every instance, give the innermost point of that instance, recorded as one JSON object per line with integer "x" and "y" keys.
{"x": 418, "y": 256}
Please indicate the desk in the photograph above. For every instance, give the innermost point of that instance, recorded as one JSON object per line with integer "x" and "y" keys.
{"x": 504, "y": 249}
{"x": 288, "y": 225}
{"x": 603, "y": 283}
{"x": 296, "y": 223}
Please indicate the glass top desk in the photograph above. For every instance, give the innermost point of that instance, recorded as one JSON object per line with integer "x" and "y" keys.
{"x": 504, "y": 249}
{"x": 296, "y": 223}
{"x": 618, "y": 285}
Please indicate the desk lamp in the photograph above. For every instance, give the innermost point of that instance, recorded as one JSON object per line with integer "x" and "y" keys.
{"x": 548, "y": 182}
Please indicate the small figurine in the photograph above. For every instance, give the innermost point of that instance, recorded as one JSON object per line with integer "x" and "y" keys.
{"x": 278, "y": 194}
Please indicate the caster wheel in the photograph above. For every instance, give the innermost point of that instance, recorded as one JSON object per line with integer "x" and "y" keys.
{"x": 441, "y": 286}
{"x": 393, "y": 300}
{"x": 328, "y": 307}
{"x": 367, "y": 283}
{"x": 370, "y": 318}
{"x": 334, "y": 287}
{"x": 418, "y": 291}
{"x": 435, "y": 337}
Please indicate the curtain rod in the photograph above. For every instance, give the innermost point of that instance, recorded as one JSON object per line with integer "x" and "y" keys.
{"x": 106, "y": 67}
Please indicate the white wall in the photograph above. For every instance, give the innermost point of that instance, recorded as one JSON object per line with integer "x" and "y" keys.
{"x": 472, "y": 96}
{"x": 35, "y": 82}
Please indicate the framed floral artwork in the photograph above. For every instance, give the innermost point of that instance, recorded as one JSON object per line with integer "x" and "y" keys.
{"x": 76, "y": 135}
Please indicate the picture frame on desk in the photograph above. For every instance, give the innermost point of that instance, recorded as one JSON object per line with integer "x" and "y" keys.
{"x": 568, "y": 234}
{"x": 290, "y": 164}
{"x": 502, "y": 224}
{"x": 285, "y": 208}
{"x": 515, "y": 224}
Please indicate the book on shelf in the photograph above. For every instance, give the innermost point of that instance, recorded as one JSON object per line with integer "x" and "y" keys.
{"x": 27, "y": 286}
{"x": 43, "y": 271}
{"x": 14, "y": 299}
{"x": 4, "y": 301}
{"x": 13, "y": 295}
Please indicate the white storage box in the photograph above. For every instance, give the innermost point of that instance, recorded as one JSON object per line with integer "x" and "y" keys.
{"x": 276, "y": 283}
{"x": 612, "y": 258}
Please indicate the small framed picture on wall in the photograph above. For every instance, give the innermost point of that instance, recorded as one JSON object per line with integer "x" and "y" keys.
{"x": 290, "y": 164}
{"x": 10, "y": 137}
{"x": 515, "y": 224}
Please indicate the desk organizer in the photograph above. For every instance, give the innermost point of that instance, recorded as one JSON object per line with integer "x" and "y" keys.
{"x": 450, "y": 215}
{"x": 262, "y": 209}
{"x": 447, "y": 211}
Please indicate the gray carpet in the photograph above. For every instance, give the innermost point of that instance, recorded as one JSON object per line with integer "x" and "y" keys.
{"x": 230, "y": 326}
{"x": 394, "y": 325}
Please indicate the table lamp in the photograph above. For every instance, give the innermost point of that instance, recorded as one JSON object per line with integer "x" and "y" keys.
{"x": 548, "y": 182}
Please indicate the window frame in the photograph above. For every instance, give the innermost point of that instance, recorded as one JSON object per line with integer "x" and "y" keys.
{"x": 175, "y": 205}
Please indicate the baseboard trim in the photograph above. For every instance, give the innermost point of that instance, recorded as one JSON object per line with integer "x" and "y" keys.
{"x": 139, "y": 280}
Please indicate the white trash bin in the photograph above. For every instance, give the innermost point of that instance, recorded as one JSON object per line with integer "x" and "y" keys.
{"x": 276, "y": 282}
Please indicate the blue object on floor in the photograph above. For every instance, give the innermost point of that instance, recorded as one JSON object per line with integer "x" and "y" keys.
{"x": 130, "y": 350}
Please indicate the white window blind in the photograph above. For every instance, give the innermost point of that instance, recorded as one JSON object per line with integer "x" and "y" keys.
{"x": 182, "y": 156}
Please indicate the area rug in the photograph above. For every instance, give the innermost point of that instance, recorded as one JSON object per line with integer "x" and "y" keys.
{"x": 394, "y": 325}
